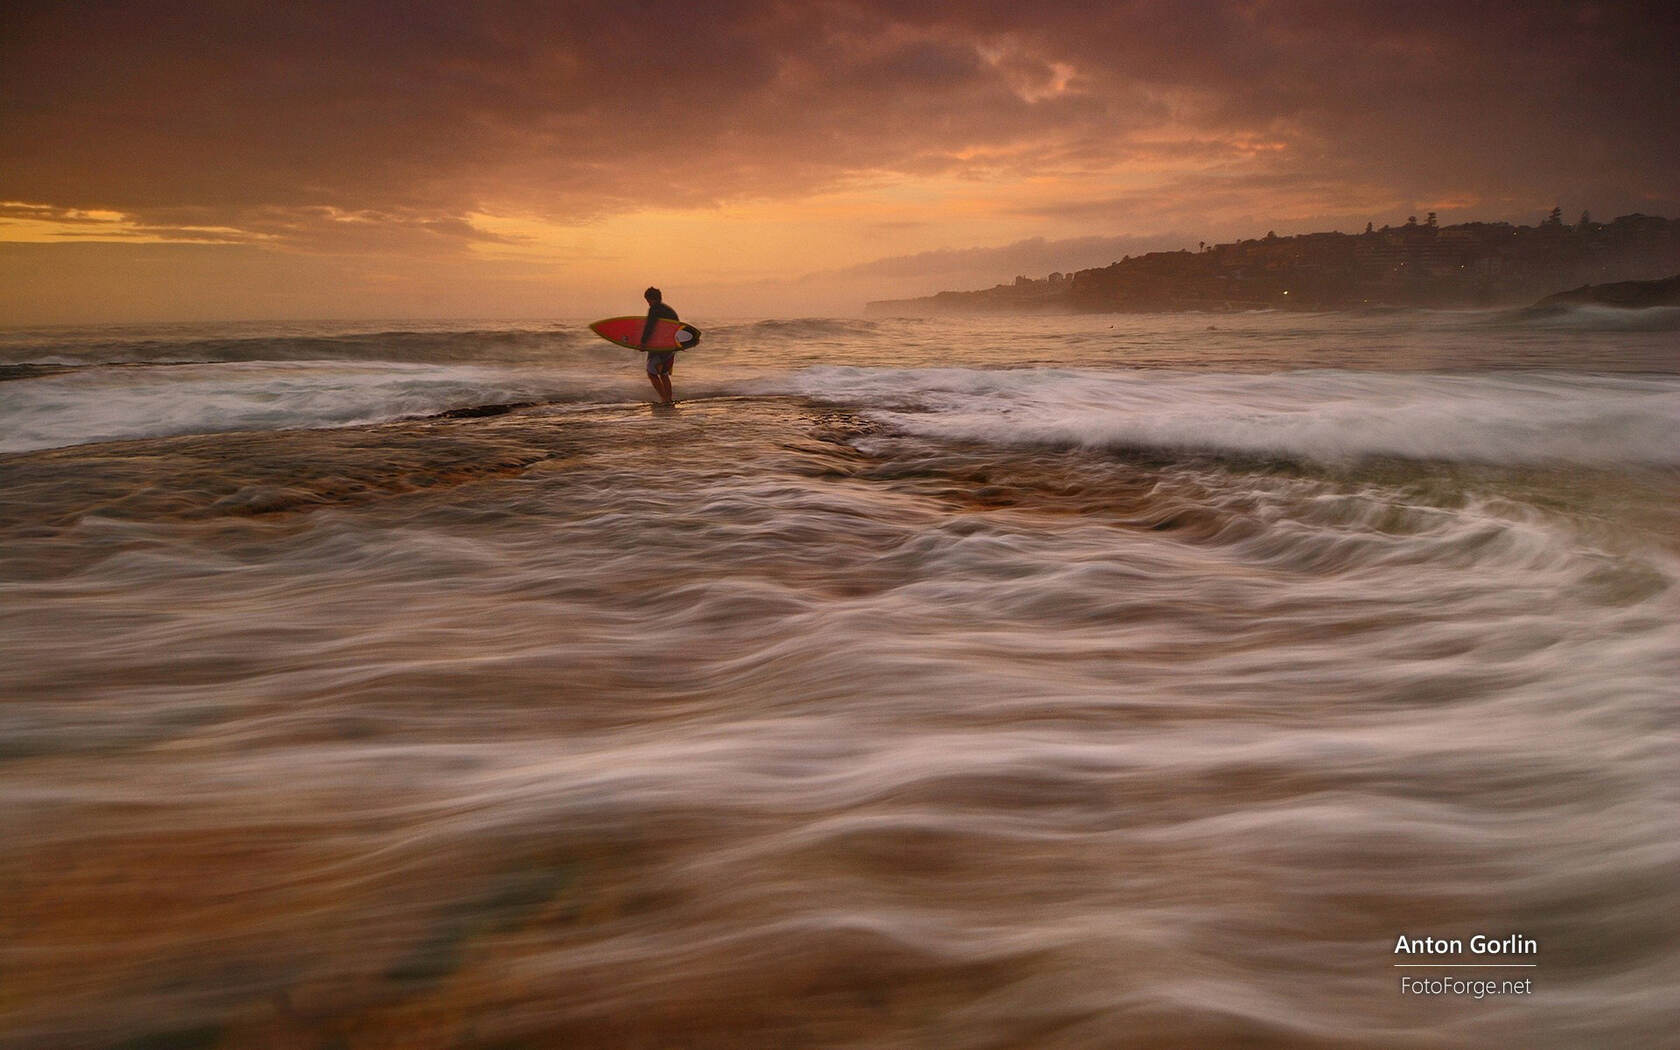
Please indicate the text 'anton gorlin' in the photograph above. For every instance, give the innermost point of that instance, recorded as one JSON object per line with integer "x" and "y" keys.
{"x": 1481, "y": 944}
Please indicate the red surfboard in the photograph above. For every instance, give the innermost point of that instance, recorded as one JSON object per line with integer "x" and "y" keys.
{"x": 627, "y": 332}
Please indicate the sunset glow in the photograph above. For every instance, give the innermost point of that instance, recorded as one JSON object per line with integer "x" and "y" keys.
{"x": 507, "y": 161}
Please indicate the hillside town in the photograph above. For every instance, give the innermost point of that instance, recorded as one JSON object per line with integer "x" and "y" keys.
{"x": 1417, "y": 264}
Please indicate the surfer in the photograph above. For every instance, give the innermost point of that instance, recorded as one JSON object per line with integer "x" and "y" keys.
{"x": 659, "y": 362}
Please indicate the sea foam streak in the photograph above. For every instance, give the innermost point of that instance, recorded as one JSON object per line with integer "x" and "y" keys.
{"x": 108, "y": 404}
{"x": 1318, "y": 416}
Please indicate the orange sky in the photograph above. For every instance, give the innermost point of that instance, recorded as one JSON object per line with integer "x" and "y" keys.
{"x": 208, "y": 161}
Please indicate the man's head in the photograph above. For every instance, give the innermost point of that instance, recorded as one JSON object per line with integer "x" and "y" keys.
{"x": 652, "y": 295}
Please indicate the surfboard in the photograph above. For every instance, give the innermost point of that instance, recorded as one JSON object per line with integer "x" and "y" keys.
{"x": 667, "y": 334}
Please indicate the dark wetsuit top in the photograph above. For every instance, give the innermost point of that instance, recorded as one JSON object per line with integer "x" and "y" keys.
{"x": 659, "y": 362}
{"x": 655, "y": 312}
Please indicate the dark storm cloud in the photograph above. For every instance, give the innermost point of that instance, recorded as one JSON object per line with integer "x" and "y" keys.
{"x": 345, "y": 124}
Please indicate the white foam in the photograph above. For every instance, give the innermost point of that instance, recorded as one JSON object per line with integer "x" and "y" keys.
{"x": 1322, "y": 416}
{"x": 117, "y": 404}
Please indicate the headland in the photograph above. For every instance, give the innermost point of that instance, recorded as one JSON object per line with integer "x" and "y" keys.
{"x": 1418, "y": 264}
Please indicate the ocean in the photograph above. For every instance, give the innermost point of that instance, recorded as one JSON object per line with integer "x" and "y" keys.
{"x": 1039, "y": 682}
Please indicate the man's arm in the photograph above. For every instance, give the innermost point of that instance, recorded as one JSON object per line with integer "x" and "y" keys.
{"x": 655, "y": 312}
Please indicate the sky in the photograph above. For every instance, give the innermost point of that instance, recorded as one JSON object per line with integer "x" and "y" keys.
{"x": 213, "y": 161}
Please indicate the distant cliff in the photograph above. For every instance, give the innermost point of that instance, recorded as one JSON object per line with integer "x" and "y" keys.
{"x": 1418, "y": 264}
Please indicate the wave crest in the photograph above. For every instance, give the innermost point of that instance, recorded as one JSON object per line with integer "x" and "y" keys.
{"x": 1314, "y": 416}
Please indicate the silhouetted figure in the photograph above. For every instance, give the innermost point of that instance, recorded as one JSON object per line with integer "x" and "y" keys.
{"x": 659, "y": 362}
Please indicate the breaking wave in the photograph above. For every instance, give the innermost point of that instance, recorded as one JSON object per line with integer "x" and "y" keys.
{"x": 112, "y": 404}
{"x": 1333, "y": 417}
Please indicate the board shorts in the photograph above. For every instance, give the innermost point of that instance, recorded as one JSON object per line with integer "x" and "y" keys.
{"x": 659, "y": 362}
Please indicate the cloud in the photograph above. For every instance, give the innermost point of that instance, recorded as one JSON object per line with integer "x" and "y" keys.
{"x": 346, "y": 127}
{"x": 1034, "y": 256}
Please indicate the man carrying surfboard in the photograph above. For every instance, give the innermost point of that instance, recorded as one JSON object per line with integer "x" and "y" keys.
{"x": 659, "y": 362}
{"x": 661, "y": 336}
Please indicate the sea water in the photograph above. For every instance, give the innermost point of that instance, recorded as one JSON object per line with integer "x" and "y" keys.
{"x": 1066, "y": 681}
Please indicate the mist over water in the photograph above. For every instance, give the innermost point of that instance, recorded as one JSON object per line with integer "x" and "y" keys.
{"x": 1011, "y": 682}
